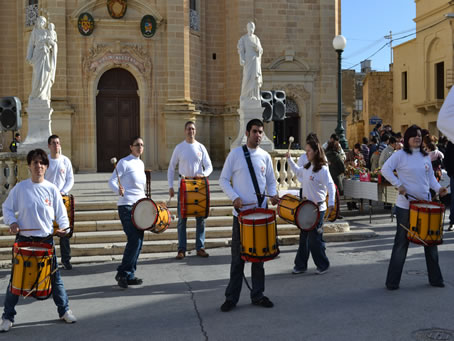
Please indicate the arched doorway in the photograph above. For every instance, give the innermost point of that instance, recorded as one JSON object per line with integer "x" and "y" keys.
{"x": 117, "y": 116}
{"x": 288, "y": 127}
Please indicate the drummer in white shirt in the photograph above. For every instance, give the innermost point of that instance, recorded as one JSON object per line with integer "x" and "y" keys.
{"x": 38, "y": 203}
{"x": 414, "y": 179}
{"x": 316, "y": 183}
{"x": 193, "y": 161}
{"x": 60, "y": 173}
{"x": 236, "y": 182}
{"x": 131, "y": 172}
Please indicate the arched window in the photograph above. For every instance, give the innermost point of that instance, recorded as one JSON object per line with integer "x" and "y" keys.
{"x": 288, "y": 127}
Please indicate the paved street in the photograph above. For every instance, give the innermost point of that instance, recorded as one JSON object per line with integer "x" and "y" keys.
{"x": 180, "y": 300}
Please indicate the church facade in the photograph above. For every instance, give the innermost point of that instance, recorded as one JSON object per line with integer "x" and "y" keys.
{"x": 145, "y": 67}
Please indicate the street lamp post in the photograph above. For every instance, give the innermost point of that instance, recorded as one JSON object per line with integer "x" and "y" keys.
{"x": 339, "y": 43}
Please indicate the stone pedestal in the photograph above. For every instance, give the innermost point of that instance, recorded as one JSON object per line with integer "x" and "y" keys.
{"x": 39, "y": 129}
{"x": 249, "y": 111}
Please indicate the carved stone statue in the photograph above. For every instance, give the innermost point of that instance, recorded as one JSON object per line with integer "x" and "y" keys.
{"x": 42, "y": 54}
{"x": 250, "y": 51}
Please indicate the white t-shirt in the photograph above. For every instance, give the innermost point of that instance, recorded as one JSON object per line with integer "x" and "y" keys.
{"x": 315, "y": 185}
{"x": 192, "y": 159}
{"x": 414, "y": 172}
{"x": 236, "y": 169}
{"x": 37, "y": 204}
{"x": 60, "y": 173}
{"x": 445, "y": 122}
{"x": 131, "y": 171}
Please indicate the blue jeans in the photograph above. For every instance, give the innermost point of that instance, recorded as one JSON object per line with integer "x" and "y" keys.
{"x": 133, "y": 247}
{"x": 233, "y": 290}
{"x": 399, "y": 253}
{"x": 451, "y": 213}
{"x": 65, "y": 250}
{"x": 199, "y": 232}
{"x": 312, "y": 242}
{"x": 58, "y": 290}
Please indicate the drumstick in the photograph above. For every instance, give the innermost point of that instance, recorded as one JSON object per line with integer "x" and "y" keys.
{"x": 414, "y": 233}
{"x": 37, "y": 285}
{"x": 290, "y": 141}
{"x": 28, "y": 229}
{"x": 114, "y": 162}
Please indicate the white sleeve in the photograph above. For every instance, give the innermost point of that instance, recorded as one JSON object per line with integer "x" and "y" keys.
{"x": 295, "y": 168}
{"x": 61, "y": 216}
{"x": 172, "y": 164}
{"x": 270, "y": 179}
{"x": 226, "y": 176}
{"x": 388, "y": 169}
{"x": 10, "y": 207}
{"x": 329, "y": 183}
{"x": 445, "y": 122}
{"x": 206, "y": 162}
{"x": 69, "y": 181}
{"x": 113, "y": 181}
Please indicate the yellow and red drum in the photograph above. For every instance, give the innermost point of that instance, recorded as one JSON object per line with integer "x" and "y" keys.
{"x": 68, "y": 201}
{"x": 303, "y": 213}
{"x": 335, "y": 212}
{"x": 194, "y": 197}
{"x": 32, "y": 269}
{"x": 258, "y": 235}
{"x": 150, "y": 216}
{"x": 426, "y": 222}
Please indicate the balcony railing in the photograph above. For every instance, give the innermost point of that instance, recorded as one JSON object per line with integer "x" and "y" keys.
{"x": 284, "y": 175}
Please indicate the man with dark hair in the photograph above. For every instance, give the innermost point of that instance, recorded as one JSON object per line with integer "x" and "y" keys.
{"x": 333, "y": 138}
{"x": 384, "y": 142}
{"x": 60, "y": 173}
{"x": 15, "y": 143}
{"x": 236, "y": 182}
{"x": 376, "y": 131}
{"x": 193, "y": 161}
{"x": 388, "y": 151}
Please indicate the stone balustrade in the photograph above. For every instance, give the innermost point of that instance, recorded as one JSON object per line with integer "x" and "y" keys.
{"x": 13, "y": 168}
{"x": 285, "y": 177}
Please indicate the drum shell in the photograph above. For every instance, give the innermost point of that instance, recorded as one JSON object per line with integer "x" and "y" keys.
{"x": 331, "y": 217}
{"x": 32, "y": 268}
{"x": 163, "y": 219}
{"x": 287, "y": 207}
{"x": 258, "y": 236}
{"x": 426, "y": 223}
{"x": 194, "y": 197}
{"x": 68, "y": 201}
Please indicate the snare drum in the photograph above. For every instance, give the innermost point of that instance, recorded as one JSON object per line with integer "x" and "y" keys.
{"x": 335, "y": 212}
{"x": 307, "y": 215}
{"x": 32, "y": 268}
{"x": 150, "y": 216}
{"x": 194, "y": 197}
{"x": 426, "y": 222}
{"x": 258, "y": 235}
{"x": 68, "y": 201}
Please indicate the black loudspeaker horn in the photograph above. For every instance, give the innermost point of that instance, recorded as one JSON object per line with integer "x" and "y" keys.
{"x": 10, "y": 113}
{"x": 278, "y": 105}
{"x": 267, "y": 104}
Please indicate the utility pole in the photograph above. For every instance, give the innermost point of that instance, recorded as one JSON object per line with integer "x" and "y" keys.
{"x": 390, "y": 37}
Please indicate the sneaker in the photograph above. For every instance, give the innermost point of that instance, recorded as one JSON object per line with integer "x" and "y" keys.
{"x": 263, "y": 302}
{"x": 6, "y": 325}
{"x": 69, "y": 317}
{"x": 202, "y": 253}
{"x": 181, "y": 254}
{"x": 135, "y": 281}
{"x": 451, "y": 227}
{"x": 122, "y": 281}
{"x": 321, "y": 272}
{"x": 67, "y": 265}
{"x": 297, "y": 271}
{"x": 227, "y": 306}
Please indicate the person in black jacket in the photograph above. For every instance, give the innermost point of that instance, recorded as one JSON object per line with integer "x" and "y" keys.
{"x": 449, "y": 165}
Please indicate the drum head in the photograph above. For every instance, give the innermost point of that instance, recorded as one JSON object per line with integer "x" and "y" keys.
{"x": 144, "y": 214}
{"x": 307, "y": 215}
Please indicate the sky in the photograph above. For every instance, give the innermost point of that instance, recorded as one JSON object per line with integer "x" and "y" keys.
{"x": 366, "y": 22}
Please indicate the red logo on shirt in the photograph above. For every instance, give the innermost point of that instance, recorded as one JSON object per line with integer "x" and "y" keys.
{"x": 199, "y": 155}
{"x": 62, "y": 170}
{"x": 262, "y": 169}
{"x": 47, "y": 202}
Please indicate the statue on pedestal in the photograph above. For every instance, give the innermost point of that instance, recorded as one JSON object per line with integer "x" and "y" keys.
{"x": 250, "y": 51}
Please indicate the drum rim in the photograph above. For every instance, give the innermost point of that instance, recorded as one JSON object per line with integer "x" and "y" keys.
{"x": 440, "y": 207}
{"x": 305, "y": 202}
{"x": 17, "y": 248}
{"x": 258, "y": 221}
{"x": 134, "y": 208}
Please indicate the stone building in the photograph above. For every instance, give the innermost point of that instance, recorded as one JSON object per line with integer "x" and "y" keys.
{"x": 116, "y": 83}
{"x": 423, "y": 67}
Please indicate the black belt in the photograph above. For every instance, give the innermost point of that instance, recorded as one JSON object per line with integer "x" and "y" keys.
{"x": 35, "y": 239}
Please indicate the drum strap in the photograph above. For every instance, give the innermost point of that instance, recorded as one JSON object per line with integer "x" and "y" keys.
{"x": 247, "y": 155}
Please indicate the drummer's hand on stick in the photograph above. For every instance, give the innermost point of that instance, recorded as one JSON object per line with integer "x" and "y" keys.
{"x": 14, "y": 228}
{"x": 402, "y": 190}
{"x": 171, "y": 192}
{"x": 237, "y": 203}
{"x": 121, "y": 190}
{"x": 60, "y": 232}
{"x": 287, "y": 155}
{"x": 275, "y": 199}
{"x": 443, "y": 191}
